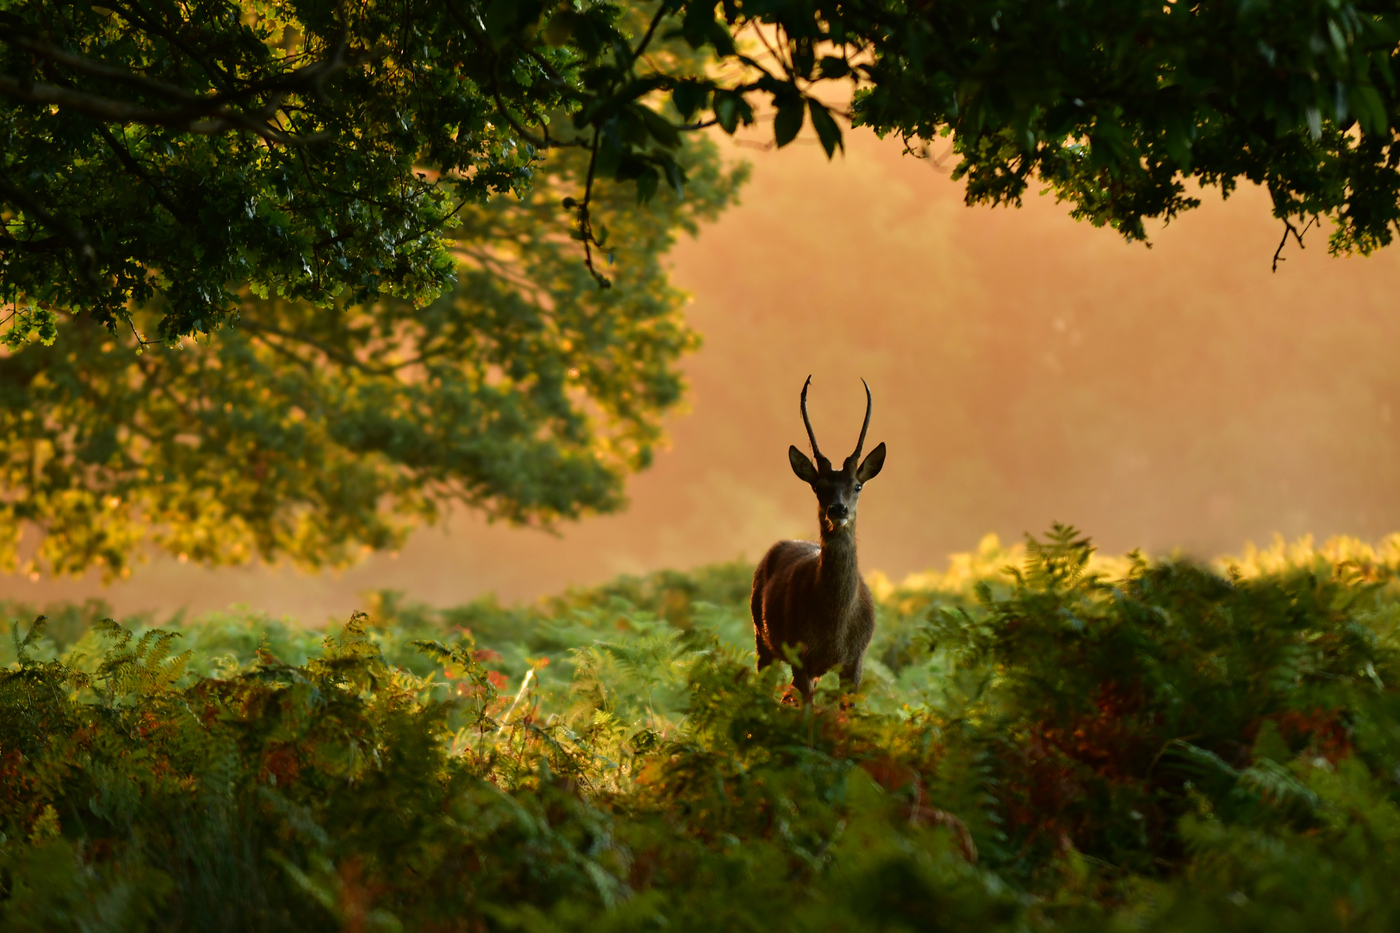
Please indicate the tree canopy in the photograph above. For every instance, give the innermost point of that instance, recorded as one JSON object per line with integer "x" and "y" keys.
{"x": 1116, "y": 104}
{"x": 312, "y": 432}
{"x": 404, "y": 220}
{"x": 170, "y": 153}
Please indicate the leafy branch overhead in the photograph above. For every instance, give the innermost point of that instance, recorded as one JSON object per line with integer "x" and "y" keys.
{"x": 161, "y": 155}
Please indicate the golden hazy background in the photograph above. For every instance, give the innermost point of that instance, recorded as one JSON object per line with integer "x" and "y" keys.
{"x": 1026, "y": 368}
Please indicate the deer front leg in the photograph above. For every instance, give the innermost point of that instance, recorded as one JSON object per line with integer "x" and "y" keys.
{"x": 805, "y": 684}
{"x": 850, "y": 674}
{"x": 850, "y": 681}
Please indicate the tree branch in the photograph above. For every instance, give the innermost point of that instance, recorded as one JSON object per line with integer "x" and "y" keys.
{"x": 127, "y": 159}
{"x": 1297, "y": 234}
{"x": 651, "y": 30}
{"x": 202, "y": 114}
{"x": 101, "y": 69}
{"x": 206, "y": 118}
{"x": 330, "y": 353}
{"x": 585, "y": 221}
{"x": 554, "y": 77}
{"x": 74, "y": 235}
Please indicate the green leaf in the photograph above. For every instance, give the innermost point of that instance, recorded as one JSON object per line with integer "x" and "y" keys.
{"x": 827, "y": 130}
{"x": 675, "y": 175}
{"x": 731, "y": 109}
{"x": 719, "y": 37}
{"x": 699, "y": 17}
{"x": 788, "y": 123}
{"x": 647, "y": 183}
{"x": 690, "y": 96}
{"x": 661, "y": 129}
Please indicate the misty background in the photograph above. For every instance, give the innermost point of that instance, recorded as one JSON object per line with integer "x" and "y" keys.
{"x": 1026, "y": 368}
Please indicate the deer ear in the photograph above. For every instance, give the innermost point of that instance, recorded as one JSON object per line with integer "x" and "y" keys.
{"x": 873, "y": 462}
{"x": 802, "y": 466}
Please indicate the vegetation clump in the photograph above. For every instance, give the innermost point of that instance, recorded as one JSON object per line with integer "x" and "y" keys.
{"x": 1046, "y": 740}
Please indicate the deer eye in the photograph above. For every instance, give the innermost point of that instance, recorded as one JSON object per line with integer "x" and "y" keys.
{"x": 858, "y": 486}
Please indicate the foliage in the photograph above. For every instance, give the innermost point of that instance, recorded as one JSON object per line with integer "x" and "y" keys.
{"x": 160, "y": 155}
{"x": 166, "y": 157}
{"x": 170, "y": 154}
{"x": 1115, "y": 105}
{"x": 309, "y": 433}
{"x": 1066, "y": 743}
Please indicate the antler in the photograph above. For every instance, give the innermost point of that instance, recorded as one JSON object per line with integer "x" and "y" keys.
{"x": 822, "y": 462}
{"x": 855, "y": 457}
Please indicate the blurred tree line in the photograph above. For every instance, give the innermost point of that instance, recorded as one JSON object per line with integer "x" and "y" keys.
{"x": 285, "y": 278}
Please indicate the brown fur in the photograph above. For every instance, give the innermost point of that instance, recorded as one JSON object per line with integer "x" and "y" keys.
{"x": 809, "y": 603}
{"x": 810, "y": 598}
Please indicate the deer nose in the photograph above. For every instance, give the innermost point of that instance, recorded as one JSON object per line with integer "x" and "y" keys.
{"x": 836, "y": 511}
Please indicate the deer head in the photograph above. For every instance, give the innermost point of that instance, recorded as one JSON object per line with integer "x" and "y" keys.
{"x": 837, "y": 491}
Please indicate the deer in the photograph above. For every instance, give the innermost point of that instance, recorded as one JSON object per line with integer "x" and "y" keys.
{"x": 809, "y": 603}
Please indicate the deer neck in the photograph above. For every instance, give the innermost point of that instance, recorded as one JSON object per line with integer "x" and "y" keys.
{"x": 838, "y": 575}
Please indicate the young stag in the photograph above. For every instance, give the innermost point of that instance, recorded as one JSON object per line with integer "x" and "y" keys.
{"x": 809, "y": 599}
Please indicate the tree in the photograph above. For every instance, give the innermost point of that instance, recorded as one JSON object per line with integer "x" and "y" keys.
{"x": 346, "y": 394}
{"x": 312, "y": 432}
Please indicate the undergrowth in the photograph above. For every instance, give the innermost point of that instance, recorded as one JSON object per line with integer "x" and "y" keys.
{"x": 1046, "y": 740}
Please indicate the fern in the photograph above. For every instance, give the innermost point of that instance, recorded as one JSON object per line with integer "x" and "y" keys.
{"x": 1056, "y": 740}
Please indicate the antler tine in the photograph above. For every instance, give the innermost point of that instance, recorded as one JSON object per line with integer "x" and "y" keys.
{"x": 822, "y": 462}
{"x": 855, "y": 457}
